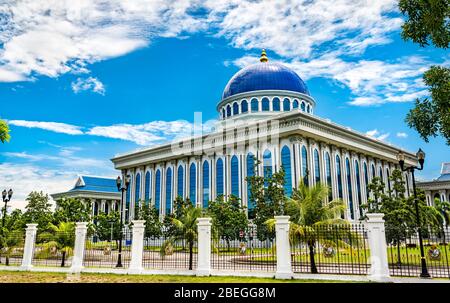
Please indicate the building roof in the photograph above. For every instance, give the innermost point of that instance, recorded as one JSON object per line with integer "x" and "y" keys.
{"x": 264, "y": 76}
{"x": 445, "y": 172}
{"x": 95, "y": 184}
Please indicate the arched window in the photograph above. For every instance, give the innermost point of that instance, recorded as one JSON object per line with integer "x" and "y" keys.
{"x": 219, "y": 177}
{"x": 228, "y": 110}
{"x": 366, "y": 179}
{"x": 157, "y": 189}
{"x": 436, "y": 196}
{"x": 180, "y": 182}
{"x": 192, "y": 183}
{"x": 254, "y": 105}
{"x": 358, "y": 186}
{"x": 244, "y": 106}
{"x": 380, "y": 172}
{"x": 137, "y": 189}
{"x": 205, "y": 184}
{"x": 265, "y": 104}
{"x": 373, "y": 171}
{"x": 168, "y": 191}
{"x": 286, "y": 163}
{"x": 106, "y": 208}
{"x": 305, "y": 171}
{"x": 267, "y": 164}
{"x": 287, "y": 105}
{"x": 303, "y": 106}
{"x": 223, "y": 113}
{"x": 308, "y": 109}
{"x": 350, "y": 189}
{"x": 339, "y": 176}
{"x": 250, "y": 173}
{"x": 147, "y": 188}
{"x": 295, "y": 104}
{"x": 328, "y": 174}
{"x": 95, "y": 208}
{"x": 235, "y": 176}
{"x": 276, "y": 104}
{"x": 316, "y": 166}
{"x": 235, "y": 108}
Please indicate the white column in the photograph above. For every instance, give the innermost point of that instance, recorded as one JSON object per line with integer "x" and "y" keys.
{"x": 379, "y": 268}
{"x": 137, "y": 247}
{"x": 78, "y": 251}
{"x": 28, "y": 250}
{"x": 284, "y": 267}
{"x": 204, "y": 246}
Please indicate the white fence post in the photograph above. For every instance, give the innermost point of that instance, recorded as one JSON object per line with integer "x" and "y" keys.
{"x": 379, "y": 267}
{"x": 137, "y": 246}
{"x": 204, "y": 246}
{"x": 284, "y": 266}
{"x": 28, "y": 249}
{"x": 78, "y": 251}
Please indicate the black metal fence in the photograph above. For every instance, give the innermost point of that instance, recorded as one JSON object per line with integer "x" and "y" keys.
{"x": 242, "y": 250}
{"x": 11, "y": 252}
{"x": 54, "y": 249}
{"x": 104, "y": 252}
{"x": 330, "y": 249}
{"x": 171, "y": 250}
{"x": 404, "y": 251}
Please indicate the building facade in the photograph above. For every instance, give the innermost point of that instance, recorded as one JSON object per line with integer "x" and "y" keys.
{"x": 438, "y": 188}
{"x": 266, "y": 113}
{"x": 99, "y": 191}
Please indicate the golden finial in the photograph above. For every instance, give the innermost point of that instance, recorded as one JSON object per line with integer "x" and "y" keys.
{"x": 263, "y": 56}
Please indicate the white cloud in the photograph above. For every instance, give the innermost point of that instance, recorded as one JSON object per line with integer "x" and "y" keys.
{"x": 90, "y": 83}
{"x": 402, "y": 135}
{"x": 375, "y": 134}
{"x": 50, "y": 126}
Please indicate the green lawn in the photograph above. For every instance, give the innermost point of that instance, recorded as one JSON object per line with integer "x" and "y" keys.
{"x": 45, "y": 277}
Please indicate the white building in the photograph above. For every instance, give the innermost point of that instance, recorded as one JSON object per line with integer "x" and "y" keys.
{"x": 267, "y": 112}
{"x": 438, "y": 188}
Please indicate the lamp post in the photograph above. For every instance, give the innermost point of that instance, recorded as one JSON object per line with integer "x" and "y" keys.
{"x": 122, "y": 188}
{"x": 421, "y": 159}
{"x": 6, "y": 198}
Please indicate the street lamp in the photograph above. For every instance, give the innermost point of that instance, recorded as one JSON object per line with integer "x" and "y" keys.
{"x": 6, "y": 198}
{"x": 420, "y": 155}
{"x": 122, "y": 188}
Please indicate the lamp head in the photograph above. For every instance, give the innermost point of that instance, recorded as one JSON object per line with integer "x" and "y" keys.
{"x": 420, "y": 157}
{"x": 401, "y": 159}
{"x": 4, "y": 194}
{"x": 118, "y": 183}
{"x": 10, "y": 193}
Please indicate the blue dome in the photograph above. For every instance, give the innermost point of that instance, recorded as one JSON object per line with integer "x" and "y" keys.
{"x": 264, "y": 76}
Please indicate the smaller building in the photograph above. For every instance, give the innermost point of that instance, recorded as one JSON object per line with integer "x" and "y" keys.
{"x": 438, "y": 188}
{"x": 101, "y": 192}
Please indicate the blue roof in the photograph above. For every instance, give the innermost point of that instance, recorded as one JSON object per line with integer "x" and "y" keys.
{"x": 264, "y": 76}
{"x": 97, "y": 184}
{"x": 444, "y": 177}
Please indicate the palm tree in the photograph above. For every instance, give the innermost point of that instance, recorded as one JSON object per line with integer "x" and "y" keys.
{"x": 4, "y": 131}
{"x": 60, "y": 238}
{"x": 10, "y": 239}
{"x": 186, "y": 226}
{"x": 312, "y": 220}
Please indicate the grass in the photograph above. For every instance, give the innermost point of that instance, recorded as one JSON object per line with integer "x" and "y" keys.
{"x": 46, "y": 277}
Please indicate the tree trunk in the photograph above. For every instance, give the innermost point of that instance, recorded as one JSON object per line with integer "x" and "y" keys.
{"x": 191, "y": 247}
{"x": 63, "y": 259}
{"x": 7, "y": 260}
{"x": 311, "y": 258}
{"x": 399, "y": 258}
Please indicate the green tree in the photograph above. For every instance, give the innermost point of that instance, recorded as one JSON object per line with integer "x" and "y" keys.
{"x": 428, "y": 21}
{"x": 443, "y": 207}
{"x": 72, "y": 210}
{"x": 59, "y": 238}
{"x": 228, "y": 218}
{"x": 104, "y": 223}
{"x": 310, "y": 215}
{"x": 153, "y": 226}
{"x": 38, "y": 209}
{"x": 186, "y": 226}
{"x": 4, "y": 131}
{"x": 9, "y": 240}
{"x": 268, "y": 194}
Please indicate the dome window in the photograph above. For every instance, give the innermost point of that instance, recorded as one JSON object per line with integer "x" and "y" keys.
{"x": 265, "y": 104}
{"x": 286, "y": 105}
{"x": 308, "y": 109}
{"x": 235, "y": 108}
{"x": 276, "y": 104}
{"x": 244, "y": 106}
{"x": 295, "y": 104}
{"x": 223, "y": 113}
{"x": 254, "y": 104}
{"x": 303, "y": 106}
{"x": 228, "y": 110}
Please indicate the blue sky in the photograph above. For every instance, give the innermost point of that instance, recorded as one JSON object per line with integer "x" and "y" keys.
{"x": 82, "y": 82}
